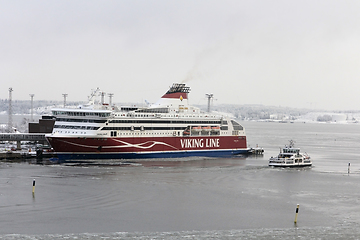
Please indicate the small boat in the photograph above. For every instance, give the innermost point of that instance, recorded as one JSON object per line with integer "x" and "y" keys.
{"x": 290, "y": 156}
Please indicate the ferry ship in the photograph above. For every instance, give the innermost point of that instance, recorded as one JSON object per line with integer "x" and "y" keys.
{"x": 290, "y": 156}
{"x": 169, "y": 128}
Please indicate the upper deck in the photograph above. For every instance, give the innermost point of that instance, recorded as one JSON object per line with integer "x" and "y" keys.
{"x": 171, "y": 112}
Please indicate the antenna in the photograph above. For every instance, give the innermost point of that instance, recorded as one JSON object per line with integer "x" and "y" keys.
{"x": 92, "y": 97}
{"x": 65, "y": 95}
{"x": 32, "y": 110}
{"x": 10, "y": 123}
{"x": 209, "y": 96}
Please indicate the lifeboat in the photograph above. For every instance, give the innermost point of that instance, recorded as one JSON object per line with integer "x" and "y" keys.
{"x": 195, "y": 128}
{"x": 186, "y": 131}
{"x": 206, "y": 128}
{"x": 215, "y": 128}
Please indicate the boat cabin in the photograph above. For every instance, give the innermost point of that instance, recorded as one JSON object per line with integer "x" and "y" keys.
{"x": 291, "y": 150}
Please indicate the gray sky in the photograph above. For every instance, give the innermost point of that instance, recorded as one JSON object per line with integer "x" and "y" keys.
{"x": 282, "y": 53}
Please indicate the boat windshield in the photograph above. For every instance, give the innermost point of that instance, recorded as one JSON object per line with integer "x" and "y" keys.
{"x": 291, "y": 150}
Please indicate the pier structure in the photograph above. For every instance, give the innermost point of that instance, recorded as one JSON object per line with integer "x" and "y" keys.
{"x": 19, "y": 137}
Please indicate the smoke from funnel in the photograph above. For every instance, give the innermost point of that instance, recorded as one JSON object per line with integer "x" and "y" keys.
{"x": 206, "y": 63}
{"x": 193, "y": 74}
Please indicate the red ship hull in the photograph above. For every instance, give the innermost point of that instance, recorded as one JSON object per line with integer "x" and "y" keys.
{"x": 149, "y": 147}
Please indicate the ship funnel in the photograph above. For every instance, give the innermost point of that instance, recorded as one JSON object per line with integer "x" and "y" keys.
{"x": 177, "y": 90}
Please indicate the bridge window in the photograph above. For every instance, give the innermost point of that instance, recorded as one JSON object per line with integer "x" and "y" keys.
{"x": 236, "y": 125}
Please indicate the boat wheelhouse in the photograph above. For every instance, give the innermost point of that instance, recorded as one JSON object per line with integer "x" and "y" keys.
{"x": 169, "y": 128}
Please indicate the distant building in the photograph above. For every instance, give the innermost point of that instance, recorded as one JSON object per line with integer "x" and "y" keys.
{"x": 339, "y": 117}
{"x": 45, "y": 125}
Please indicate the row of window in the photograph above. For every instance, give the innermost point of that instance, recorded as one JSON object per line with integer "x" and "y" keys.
{"x": 144, "y": 121}
{"x": 142, "y": 128}
{"x": 80, "y": 120}
{"x": 71, "y": 113}
{"x": 169, "y": 121}
{"x": 132, "y": 128}
{"x": 114, "y": 133}
{"x": 76, "y": 127}
{"x": 153, "y": 110}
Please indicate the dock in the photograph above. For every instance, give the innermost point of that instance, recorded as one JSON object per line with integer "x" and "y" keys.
{"x": 18, "y": 153}
{"x": 256, "y": 151}
{"x": 19, "y": 137}
{"x": 10, "y": 155}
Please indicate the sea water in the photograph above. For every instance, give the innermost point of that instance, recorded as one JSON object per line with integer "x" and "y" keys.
{"x": 193, "y": 198}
